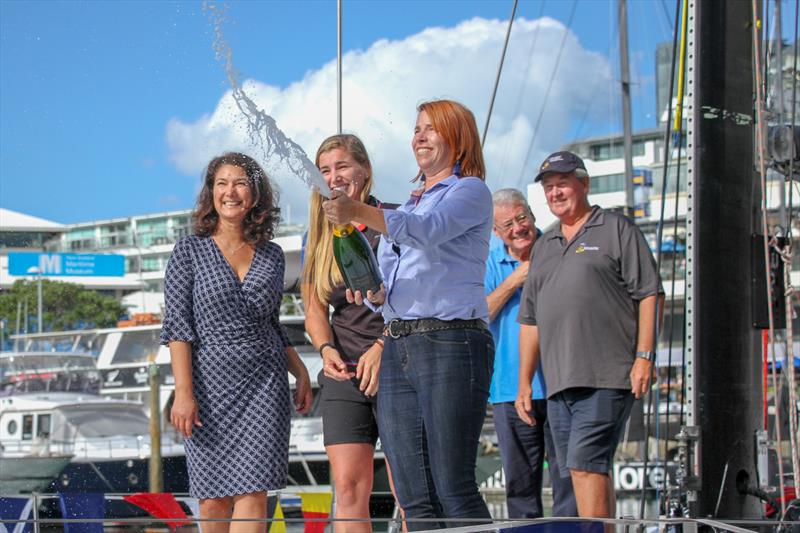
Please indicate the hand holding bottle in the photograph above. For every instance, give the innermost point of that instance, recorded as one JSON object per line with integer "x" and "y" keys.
{"x": 340, "y": 209}
{"x": 376, "y": 298}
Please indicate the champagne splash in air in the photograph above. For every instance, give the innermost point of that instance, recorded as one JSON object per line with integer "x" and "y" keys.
{"x": 262, "y": 129}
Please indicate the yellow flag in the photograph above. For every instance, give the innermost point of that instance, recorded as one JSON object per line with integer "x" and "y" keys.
{"x": 316, "y": 502}
{"x": 278, "y": 525}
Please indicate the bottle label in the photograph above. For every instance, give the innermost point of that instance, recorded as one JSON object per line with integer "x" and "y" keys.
{"x": 355, "y": 259}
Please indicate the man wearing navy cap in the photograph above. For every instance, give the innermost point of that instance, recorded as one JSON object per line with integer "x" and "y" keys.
{"x": 587, "y": 314}
{"x": 522, "y": 446}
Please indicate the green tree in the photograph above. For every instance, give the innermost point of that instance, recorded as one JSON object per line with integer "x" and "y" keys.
{"x": 65, "y": 306}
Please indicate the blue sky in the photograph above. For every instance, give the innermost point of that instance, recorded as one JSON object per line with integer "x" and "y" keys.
{"x": 87, "y": 89}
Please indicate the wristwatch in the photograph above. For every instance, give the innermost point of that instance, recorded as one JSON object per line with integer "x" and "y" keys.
{"x": 649, "y": 355}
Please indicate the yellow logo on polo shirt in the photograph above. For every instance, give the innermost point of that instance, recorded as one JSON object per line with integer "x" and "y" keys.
{"x": 583, "y": 248}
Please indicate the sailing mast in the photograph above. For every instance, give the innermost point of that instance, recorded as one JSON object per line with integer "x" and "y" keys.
{"x": 625, "y": 80}
{"x": 723, "y": 388}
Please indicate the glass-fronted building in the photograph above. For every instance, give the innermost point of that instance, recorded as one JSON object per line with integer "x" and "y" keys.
{"x": 145, "y": 241}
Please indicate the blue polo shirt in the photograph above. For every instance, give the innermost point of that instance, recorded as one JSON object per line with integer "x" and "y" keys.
{"x": 505, "y": 330}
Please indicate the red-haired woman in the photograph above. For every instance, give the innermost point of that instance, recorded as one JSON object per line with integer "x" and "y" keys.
{"x": 230, "y": 355}
{"x": 438, "y": 354}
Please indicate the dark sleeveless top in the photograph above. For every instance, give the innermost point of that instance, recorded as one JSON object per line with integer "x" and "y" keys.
{"x": 355, "y": 327}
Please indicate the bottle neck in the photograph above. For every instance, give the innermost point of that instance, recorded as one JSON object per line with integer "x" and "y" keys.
{"x": 343, "y": 230}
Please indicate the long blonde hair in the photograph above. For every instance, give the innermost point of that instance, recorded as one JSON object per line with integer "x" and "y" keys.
{"x": 320, "y": 272}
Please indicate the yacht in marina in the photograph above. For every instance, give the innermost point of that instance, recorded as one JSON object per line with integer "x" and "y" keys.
{"x": 56, "y": 431}
{"x": 87, "y": 393}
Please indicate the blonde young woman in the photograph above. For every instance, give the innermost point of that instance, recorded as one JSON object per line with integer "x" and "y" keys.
{"x": 350, "y": 342}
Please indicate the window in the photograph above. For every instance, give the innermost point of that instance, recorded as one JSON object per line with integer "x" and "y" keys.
{"x": 114, "y": 235}
{"x": 27, "y": 427}
{"x": 131, "y": 264}
{"x": 12, "y": 427}
{"x": 43, "y": 426}
{"x": 150, "y": 230}
{"x": 15, "y": 239}
{"x": 181, "y": 226}
{"x": 154, "y": 263}
{"x": 80, "y": 239}
{"x": 607, "y": 183}
{"x": 658, "y": 178}
{"x": 137, "y": 347}
{"x": 614, "y": 150}
{"x": 81, "y": 244}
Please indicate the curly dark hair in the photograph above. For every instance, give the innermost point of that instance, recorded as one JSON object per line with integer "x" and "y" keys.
{"x": 259, "y": 223}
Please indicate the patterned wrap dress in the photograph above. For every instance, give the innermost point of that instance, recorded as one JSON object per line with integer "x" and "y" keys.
{"x": 238, "y": 366}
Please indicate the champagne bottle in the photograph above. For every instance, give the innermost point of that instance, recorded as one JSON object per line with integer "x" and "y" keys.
{"x": 356, "y": 260}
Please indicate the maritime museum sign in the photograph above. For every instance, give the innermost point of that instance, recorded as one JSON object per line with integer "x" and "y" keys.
{"x": 31, "y": 263}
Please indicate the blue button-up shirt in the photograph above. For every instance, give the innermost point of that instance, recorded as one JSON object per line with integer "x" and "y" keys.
{"x": 505, "y": 330}
{"x": 433, "y": 260}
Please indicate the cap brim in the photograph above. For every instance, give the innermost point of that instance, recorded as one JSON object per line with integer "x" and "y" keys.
{"x": 556, "y": 169}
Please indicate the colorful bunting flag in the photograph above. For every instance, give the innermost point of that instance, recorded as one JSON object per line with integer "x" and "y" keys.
{"x": 316, "y": 506}
{"x": 161, "y": 505}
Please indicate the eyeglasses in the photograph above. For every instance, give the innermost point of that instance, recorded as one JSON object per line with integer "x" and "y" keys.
{"x": 523, "y": 219}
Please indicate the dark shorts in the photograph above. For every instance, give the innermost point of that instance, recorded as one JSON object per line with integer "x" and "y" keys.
{"x": 587, "y": 425}
{"x": 348, "y": 417}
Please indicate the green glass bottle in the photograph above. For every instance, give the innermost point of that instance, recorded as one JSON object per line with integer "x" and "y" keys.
{"x": 356, "y": 260}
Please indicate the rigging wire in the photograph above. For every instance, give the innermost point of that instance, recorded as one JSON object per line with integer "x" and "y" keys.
{"x": 499, "y": 72}
{"x": 660, "y": 227}
{"x": 764, "y": 226}
{"x": 585, "y": 114}
{"x": 789, "y": 361}
{"x": 518, "y": 106}
{"x": 666, "y": 17}
{"x": 589, "y": 102}
{"x": 339, "y": 66}
{"x": 547, "y": 92}
{"x": 794, "y": 118}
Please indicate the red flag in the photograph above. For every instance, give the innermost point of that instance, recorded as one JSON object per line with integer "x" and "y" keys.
{"x": 161, "y": 505}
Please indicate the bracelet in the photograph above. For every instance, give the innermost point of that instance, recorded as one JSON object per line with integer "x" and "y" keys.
{"x": 325, "y": 345}
{"x": 379, "y": 341}
{"x": 648, "y": 354}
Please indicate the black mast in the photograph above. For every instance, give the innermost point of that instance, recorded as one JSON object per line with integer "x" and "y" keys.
{"x": 723, "y": 383}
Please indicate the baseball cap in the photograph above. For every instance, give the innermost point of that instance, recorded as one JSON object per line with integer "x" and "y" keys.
{"x": 561, "y": 162}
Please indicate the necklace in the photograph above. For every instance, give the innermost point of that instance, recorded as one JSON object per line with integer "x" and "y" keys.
{"x": 230, "y": 250}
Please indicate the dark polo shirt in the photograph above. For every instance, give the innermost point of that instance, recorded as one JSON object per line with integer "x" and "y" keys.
{"x": 583, "y": 295}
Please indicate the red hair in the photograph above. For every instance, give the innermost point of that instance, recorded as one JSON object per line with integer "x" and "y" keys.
{"x": 456, "y": 124}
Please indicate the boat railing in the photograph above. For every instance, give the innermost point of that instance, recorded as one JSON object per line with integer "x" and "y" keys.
{"x": 119, "y": 447}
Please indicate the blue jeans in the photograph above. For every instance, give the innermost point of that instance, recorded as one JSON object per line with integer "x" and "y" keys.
{"x": 431, "y": 405}
{"x": 522, "y": 450}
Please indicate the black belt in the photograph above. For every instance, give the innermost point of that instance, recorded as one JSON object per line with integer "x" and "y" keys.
{"x": 400, "y": 328}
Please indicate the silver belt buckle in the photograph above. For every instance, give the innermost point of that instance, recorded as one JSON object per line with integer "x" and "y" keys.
{"x": 392, "y": 324}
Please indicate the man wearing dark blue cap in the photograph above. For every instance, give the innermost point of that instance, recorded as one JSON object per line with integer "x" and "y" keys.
{"x": 587, "y": 313}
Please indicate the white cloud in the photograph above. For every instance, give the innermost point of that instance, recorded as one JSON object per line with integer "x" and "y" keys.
{"x": 383, "y": 85}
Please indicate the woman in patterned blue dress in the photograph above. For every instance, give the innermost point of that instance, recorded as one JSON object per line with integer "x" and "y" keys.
{"x": 230, "y": 355}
